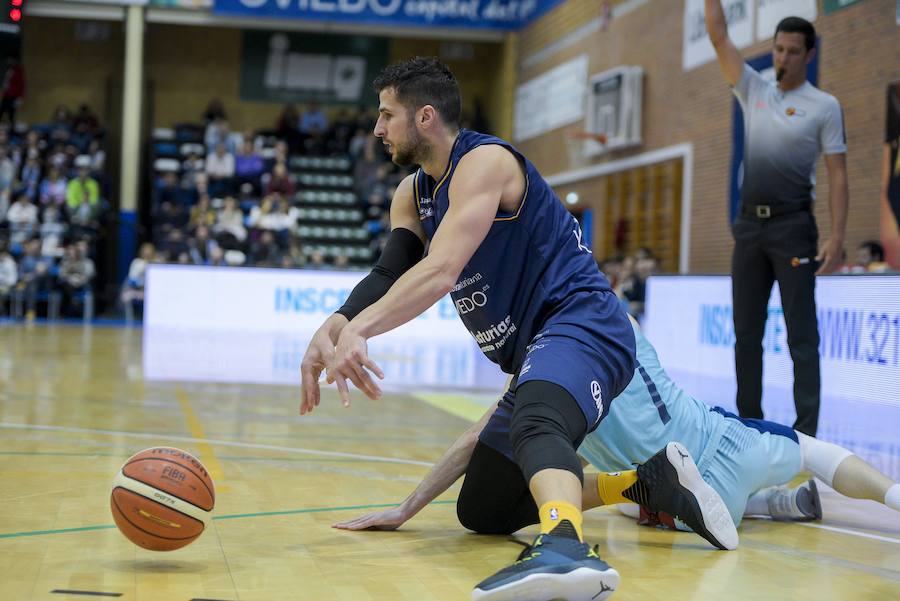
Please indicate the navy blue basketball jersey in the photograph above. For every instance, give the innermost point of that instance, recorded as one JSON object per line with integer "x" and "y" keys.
{"x": 529, "y": 270}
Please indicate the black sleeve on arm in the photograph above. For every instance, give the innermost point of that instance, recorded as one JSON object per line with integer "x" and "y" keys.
{"x": 402, "y": 251}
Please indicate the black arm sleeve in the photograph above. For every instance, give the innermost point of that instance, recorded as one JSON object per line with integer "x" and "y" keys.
{"x": 402, "y": 251}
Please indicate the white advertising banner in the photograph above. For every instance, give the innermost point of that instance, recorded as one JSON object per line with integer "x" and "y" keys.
{"x": 552, "y": 99}
{"x": 268, "y": 300}
{"x": 689, "y": 321}
{"x": 773, "y": 11}
{"x": 697, "y": 49}
{"x": 226, "y": 324}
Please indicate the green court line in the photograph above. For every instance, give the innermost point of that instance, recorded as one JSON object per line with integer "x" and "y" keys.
{"x": 233, "y": 516}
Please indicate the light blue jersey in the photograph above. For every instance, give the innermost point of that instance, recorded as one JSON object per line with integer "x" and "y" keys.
{"x": 650, "y": 412}
{"x": 735, "y": 456}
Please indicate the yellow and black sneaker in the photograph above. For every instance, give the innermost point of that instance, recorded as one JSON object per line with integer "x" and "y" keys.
{"x": 670, "y": 482}
{"x": 554, "y": 566}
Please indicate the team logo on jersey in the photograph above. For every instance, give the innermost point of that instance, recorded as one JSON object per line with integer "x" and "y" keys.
{"x": 425, "y": 209}
{"x": 792, "y": 111}
{"x": 597, "y": 393}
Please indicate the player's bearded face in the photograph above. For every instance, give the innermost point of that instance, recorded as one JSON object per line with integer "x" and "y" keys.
{"x": 413, "y": 149}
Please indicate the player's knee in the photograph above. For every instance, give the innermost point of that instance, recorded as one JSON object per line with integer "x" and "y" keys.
{"x": 545, "y": 428}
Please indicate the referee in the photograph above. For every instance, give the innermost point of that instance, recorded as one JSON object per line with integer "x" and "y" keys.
{"x": 788, "y": 125}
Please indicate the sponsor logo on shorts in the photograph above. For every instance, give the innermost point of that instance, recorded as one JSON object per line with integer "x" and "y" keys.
{"x": 597, "y": 393}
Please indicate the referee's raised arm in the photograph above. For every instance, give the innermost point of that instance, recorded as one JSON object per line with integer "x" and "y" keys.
{"x": 730, "y": 60}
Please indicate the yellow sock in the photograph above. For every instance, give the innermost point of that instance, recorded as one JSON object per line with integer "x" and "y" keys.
{"x": 611, "y": 486}
{"x": 553, "y": 512}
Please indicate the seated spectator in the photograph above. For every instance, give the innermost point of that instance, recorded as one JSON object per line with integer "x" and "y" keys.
{"x": 229, "y": 227}
{"x": 30, "y": 177}
{"x": 317, "y": 260}
{"x": 76, "y": 272}
{"x": 191, "y": 168}
{"x": 85, "y": 127}
{"x": 286, "y": 127}
{"x": 62, "y": 118}
{"x": 174, "y": 246}
{"x": 7, "y": 179}
{"x": 53, "y": 230}
{"x": 220, "y": 171}
{"x": 248, "y": 166}
{"x": 166, "y": 190}
{"x": 83, "y": 195}
{"x": 169, "y": 216}
{"x": 264, "y": 251}
{"x": 201, "y": 246}
{"x": 35, "y": 275}
{"x": 53, "y": 189}
{"x": 366, "y": 172}
{"x": 23, "y": 219}
{"x": 313, "y": 120}
{"x": 281, "y": 182}
{"x": 341, "y": 262}
{"x": 358, "y": 143}
{"x": 98, "y": 157}
{"x": 202, "y": 214}
{"x": 58, "y": 158}
{"x": 216, "y": 257}
{"x": 133, "y": 290}
{"x": 9, "y": 275}
{"x": 870, "y": 257}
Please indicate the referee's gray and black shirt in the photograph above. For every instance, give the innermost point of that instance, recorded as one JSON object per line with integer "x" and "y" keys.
{"x": 784, "y": 134}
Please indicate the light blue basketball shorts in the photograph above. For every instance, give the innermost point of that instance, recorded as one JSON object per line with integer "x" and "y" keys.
{"x": 752, "y": 454}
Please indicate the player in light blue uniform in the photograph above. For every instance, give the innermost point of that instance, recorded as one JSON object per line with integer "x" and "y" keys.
{"x": 737, "y": 457}
{"x": 744, "y": 460}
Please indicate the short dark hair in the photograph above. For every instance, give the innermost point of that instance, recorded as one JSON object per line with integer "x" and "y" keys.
{"x": 876, "y": 250}
{"x": 423, "y": 80}
{"x": 798, "y": 25}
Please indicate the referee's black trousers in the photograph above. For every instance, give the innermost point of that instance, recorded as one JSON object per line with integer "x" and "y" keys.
{"x": 781, "y": 248}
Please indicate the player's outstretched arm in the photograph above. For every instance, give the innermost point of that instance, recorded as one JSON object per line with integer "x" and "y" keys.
{"x": 442, "y": 475}
{"x": 730, "y": 60}
{"x": 475, "y": 194}
{"x": 404, "y": 248}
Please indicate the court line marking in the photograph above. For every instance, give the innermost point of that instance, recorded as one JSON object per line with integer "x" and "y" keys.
{"x": 196, "y": 427}
{"x": 225, "y": 443}
{"x": 232, "y": 516}
{"x": 884, "y": 539}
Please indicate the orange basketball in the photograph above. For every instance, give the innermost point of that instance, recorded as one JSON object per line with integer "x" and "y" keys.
{"x": 162, "y": 498}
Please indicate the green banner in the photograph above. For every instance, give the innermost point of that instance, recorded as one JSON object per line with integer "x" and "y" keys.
{"x": 833, "y": 5}
{"x": 304, "y": 67}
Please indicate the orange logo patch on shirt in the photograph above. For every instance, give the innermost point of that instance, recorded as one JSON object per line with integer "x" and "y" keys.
{"x": 791, "y": 111}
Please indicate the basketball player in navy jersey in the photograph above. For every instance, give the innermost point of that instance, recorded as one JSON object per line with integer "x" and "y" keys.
{"x": 527, "y": 289}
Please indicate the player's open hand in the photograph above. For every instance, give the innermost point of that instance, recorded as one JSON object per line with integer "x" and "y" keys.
{"x": 389, "y": 519}
{"x": 318, "y": 354}
{"x": 351, "y": 361}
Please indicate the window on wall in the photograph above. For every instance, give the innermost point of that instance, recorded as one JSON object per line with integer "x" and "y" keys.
{"x": 631, "y": 209}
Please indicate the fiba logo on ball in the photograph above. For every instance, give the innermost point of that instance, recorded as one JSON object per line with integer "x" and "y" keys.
{"x": 162, "y": 499}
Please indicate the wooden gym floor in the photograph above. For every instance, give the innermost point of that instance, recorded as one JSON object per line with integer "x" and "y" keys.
{"x": 74, "y": 406}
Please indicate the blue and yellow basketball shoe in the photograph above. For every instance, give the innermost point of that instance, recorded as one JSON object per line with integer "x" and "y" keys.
{"x": 552, "y": 567}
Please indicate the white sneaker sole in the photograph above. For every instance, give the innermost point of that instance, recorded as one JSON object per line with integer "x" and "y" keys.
{"x": 714, "y": 513}
{"x": 581, "y": 584}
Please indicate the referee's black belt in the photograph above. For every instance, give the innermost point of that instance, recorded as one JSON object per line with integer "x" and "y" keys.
{"x": 769, "y": 211}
